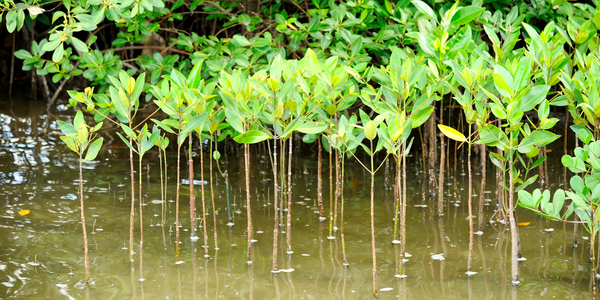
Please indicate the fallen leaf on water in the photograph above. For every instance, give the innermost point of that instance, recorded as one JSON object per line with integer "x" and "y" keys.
{"x": 24, "y": 212}
{"x": 524, "y": 223}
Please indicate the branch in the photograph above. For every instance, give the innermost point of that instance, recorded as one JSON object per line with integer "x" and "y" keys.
{"x": 222, "y": 10}
{"x": 149, "y": 47}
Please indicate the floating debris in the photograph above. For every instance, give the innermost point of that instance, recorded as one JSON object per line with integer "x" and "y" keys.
{"x": 439, "y": 257}
{"x": 387, "y": 289}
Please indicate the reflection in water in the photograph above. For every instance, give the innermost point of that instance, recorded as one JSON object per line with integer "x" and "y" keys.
{"x": 38, "y": 173}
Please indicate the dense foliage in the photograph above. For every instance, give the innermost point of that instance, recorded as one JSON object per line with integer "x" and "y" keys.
{"x": 360, "y": 74}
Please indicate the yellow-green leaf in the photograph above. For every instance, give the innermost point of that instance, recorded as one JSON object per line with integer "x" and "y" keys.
{"x": 452, "y": 133}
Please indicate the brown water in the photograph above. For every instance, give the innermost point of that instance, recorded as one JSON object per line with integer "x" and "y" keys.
{"x": 41, "y": 254}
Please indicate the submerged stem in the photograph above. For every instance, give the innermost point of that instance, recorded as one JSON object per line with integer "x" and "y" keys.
{"x": 85, "y": 241}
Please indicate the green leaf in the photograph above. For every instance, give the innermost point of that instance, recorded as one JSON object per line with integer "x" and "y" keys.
{"x": 533, "y": 97}
{"x": 312, "y": 127}
{"x": 536, "y": 139}
{"x": 503, "y": 81}
{"x": 522, "y": 74}
{"x": 128, "y": 131}
{"x": 164, "y": 126}
{"x": 195, "y": 76}
{"x": 421, "y": 116}
{"x": 66, "y": 128}
{"x": 466, "y": 14}
{"x": 79, "y": 45}
{"x": 452, "y": 133}
{"x": 251, "y": 137}
{"x": 93, "y": 150}
{"x": 425, "y": 9}
{"x": 370, "y": 130}
{"x": 559, "y": 201}
{"x": 59, "y": 52}
{"x": 239, "y": 40}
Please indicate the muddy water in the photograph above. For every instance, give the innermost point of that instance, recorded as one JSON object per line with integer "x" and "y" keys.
{"x": 41, "y": 253}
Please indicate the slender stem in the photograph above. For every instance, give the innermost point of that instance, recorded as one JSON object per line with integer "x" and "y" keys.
{"x": 212, "y": 193}
{"x": 289, "y": 200}
{"x": 162, "y": 189}
{"x": 276, "y": 206}
{"x": 203, "y": 202}
{"x": 470, "y": 204}
{"x": 482, "y": 186}
{"x": 248, "y": 210}
{"x": 132, "y": 214}
{"x": 192, "y": 191}
{"x": 141, "y": 213}
{"x": 372, "y": 171}
{"x": 330, "y": 194}
{"x": 177, "y": 200}
{"x": 85, "y": 241}
{"x": 441, "y": 177}
{"x": 320, "y": 181}
{"x": 512, "y": 220}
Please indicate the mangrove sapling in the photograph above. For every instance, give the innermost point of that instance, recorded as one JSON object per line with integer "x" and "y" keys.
{"x": 584, "y": 194}
{"x": 459, "y": 137}
{"x": 480, "y": 219}
{"x": 370, "y": 132}
{"x": 144, "y": 141}
{"x": 81, "y": 138}
{"x": 124, "y": 97}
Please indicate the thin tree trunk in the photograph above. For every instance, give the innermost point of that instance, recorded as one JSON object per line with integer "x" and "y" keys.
{"x": 85, "y": 241}
{"x": 337, "y": 189}
{"x": 276, "y": 208}
{"x": 373, "y": 224}
{"x": 576, "y": 217}
{"x": 248, "y": 210}
{"x": 470, "y": 204}
{"x": 320, "y": 182}
{"x": 403, "y": 216}
{"x": 212, "y": 194}
{"x": 432, "y": 154}
{"x": 289, "y": 200}
{"x": 132, "y": 214}
{"x": 330, "y": 193}
{"x": 482, "y": 153}
{"x": 141, "y": 201}
{"x": 397, "y": 197}
{"x": 177, "y": 201}
{"x": 203, "y": 202}
{"x": 194, "y": 236}
{"x": 441, "y": 177}
{"x": 513, "y": 224}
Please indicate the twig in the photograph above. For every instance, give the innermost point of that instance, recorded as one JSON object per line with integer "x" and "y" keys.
{"x": 59, "y": 89}
{"x": 148, "y": 47}
{"x": 12, "y": 65}
{"x": 222, "y": 10}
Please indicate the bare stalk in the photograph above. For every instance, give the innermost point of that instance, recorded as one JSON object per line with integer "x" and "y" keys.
{"x": 513, "y": 224}
{"x": 177, "y": 200}
{"x": 320, "y": 182}
{"x": 441, "y": 177}
{"x": 289, "y": 199}
{"x": 373, "y": 222}
{"x": 482, "y": 189}
{"x": 248, "y": 210}
{"x": 212, "y": 194}
{"x": 194, "y": 236}
{"x": 470, "y": 202}
{"x": 203, "y": 202}
{"x": 85, "y": 241}
{"x": 132, "y": 214}
{"x": 141, "y": 201}
{"x": 276, "y": 207}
